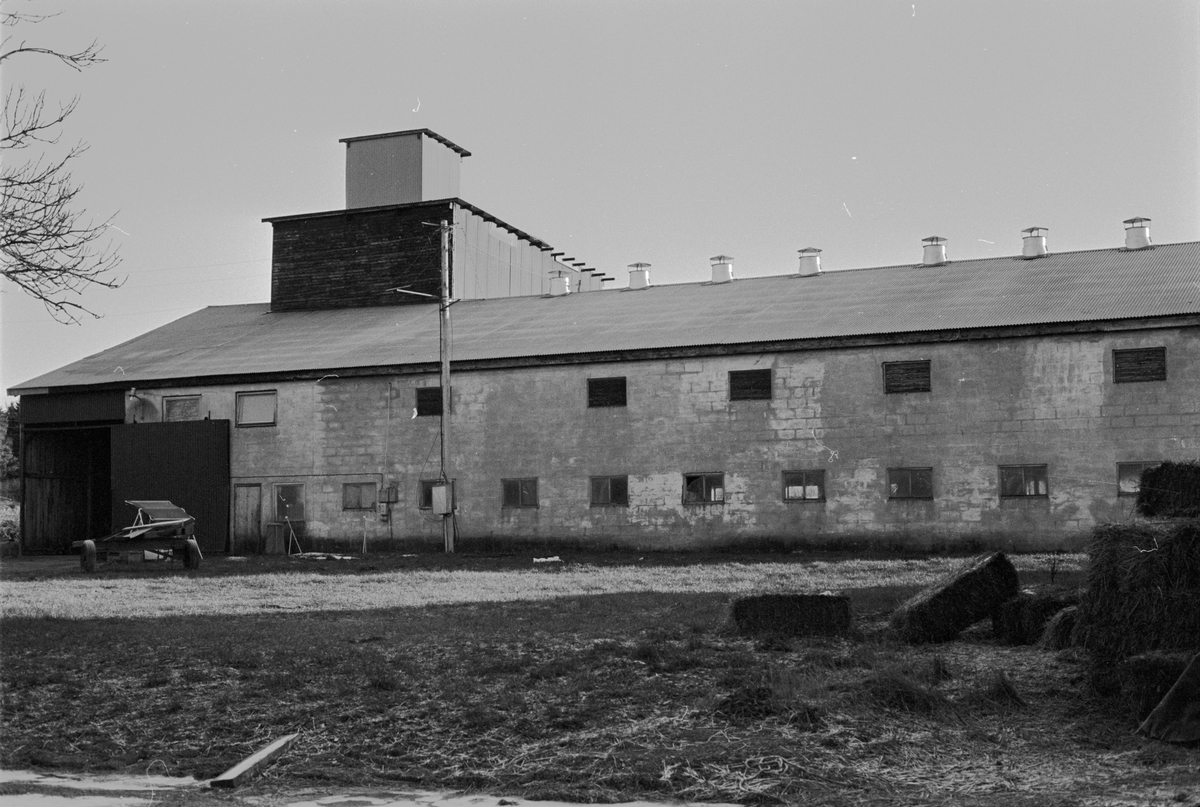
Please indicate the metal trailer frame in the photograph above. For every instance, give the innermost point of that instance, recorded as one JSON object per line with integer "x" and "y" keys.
{"x": 160, "y": 527}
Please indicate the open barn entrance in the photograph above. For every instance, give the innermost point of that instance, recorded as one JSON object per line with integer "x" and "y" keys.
{"x": 66, "y": 488}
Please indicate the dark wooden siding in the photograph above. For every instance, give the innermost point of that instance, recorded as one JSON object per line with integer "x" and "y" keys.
{"x": 65, "y": 474}
{"x": 73, "y": 407}
{"x": 185, "y": 462}
{"x": 1140, "y": 364}
{"x": 749, "y": 385}
{"x": 351, "y": 260}
{"x": 606, "y": 391}
{"x": 906, "y": 376}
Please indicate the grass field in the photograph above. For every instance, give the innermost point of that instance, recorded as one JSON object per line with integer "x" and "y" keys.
{"x": 602, "y": 680}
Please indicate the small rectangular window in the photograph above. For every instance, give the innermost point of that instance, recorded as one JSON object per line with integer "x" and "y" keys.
{"x": 606, "y": 391}
{"x": 910, "y": 483}
{"x": 182, "y": 407}
{"x": 906, "y": 376}
{"x": 519, "y": 492}
{"x": 358, "y": 496}
{"x": 429, "y": 401}
{"x": 1021, "y": 481}
{"x": 1140, "y": 364}
{"x": 256, "y": 408}
{"x": 610, "y": 490}
{"x": 804, "y": 486}
{"x": 1129, "y": 477}
{"x": 750, "y": 385}
{"x": 289, "y": 502}
{"x": 703, "y": 488}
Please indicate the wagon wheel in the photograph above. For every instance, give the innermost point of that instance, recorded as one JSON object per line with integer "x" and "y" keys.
{"x": 87, "y": 558}
{"x": 193, "y": 557}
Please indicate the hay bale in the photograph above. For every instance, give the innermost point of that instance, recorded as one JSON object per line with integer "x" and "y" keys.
{"x": 1170, "y": 490}
{"x": 1146, "y": 678}
{"x": 1060, "y": 631}
{"x": 1143, "y": 590}
{"x": 792, "y": 615}
{"x": 1176, "y": 718}
{"x": 1022, "y": 620}
{"x": 957, "y": 601}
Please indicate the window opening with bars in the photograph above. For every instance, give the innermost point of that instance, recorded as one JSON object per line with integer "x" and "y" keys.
{"x": 1022, "y": 481}
{"x": 703, "y": 488}
{"x": 910, "y": 483}
{"x": 609, "y": 491}
{"x": 519, "y": 492}
{"x": 358, "y": 496}
{"x": 804, "y": 486}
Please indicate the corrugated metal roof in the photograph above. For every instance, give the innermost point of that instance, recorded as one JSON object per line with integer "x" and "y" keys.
{"x": 1059, "y": 288}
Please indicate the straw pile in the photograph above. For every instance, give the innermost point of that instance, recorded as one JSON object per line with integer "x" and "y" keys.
{"x": 957, "y": 601}
{"x": 1170, "y": 490}
{"x": 792, "y": 614}
{"x": 1060, "y": 631}
{"x": 1023, "y": 619}
{"x": 1147, "y": 677}
{"x": 1143, "y": 590}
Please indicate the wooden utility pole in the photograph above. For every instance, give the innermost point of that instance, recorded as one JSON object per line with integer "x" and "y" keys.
{"x": 444, "y": 353}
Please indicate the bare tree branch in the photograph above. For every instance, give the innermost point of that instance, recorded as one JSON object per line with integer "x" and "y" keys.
{"x": 48, "y": 248}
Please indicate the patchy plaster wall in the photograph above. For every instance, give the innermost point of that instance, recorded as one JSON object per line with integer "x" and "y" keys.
{"x": 1044, "y": 401}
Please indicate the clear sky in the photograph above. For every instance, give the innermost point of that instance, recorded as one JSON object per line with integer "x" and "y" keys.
{"x": 619, "y": 131}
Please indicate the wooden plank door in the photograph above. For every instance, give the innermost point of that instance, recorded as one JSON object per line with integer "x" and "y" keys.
{"x": 247, "y": 519}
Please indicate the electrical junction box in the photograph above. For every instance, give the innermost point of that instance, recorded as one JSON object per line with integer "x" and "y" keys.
{"x": 443, "y": 499}
{"x": 382, "y": 509}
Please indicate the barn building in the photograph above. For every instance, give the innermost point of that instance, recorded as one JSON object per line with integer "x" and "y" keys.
{"x": 1005, "y": 402}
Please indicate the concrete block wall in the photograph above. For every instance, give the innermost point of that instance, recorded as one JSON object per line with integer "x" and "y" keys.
{"x": 1046, "y": 400}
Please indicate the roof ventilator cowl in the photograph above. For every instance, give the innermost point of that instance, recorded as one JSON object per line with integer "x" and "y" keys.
{"x": 810, "y": 262}
{"x": 1137, "y": 233}
{"x": 1034, "y": 242}
{"x": 639, "y": 275}
{"x": 560, "y": 285}
{"x": 722, "y": 268}
{"x": 935, "y": 251}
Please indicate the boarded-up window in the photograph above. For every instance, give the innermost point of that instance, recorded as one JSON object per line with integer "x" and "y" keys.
{"x": 703, "y": 488}
{"x": 183, "y": 407}
{"x": 429, "y": 401}
{"x": 610, "y": 490}
{"x": 804, "y": 486}
{"x": 606, "y": 391}
{"x": 910, "y": 483}
{"x": 1140, "y": 364}
{"x": 906, "y": 376}
{"x": 1129, "y": 477}
{"x": 289, "y": 502}
{"x": 519, "y": 492}
{"x": 256, "y": 408}
{"x": 1020, "y": 481}
{"x": 750, "y": 385}
{"x": 358, "y": 496}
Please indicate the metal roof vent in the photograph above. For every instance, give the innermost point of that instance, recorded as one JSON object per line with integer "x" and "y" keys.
{"x": 1137, "y": 233}
{"x": 560, "y": 285}
{"x": 1034, "y": 245}
{"x": 722, "y": 268}
{"x": 935, "y": 251}
{"x": 639, "y": 275}
{"x": 810, "y": 262}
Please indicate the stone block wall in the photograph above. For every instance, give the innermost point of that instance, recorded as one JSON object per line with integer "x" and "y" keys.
{"x": 1041, "y": 401}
